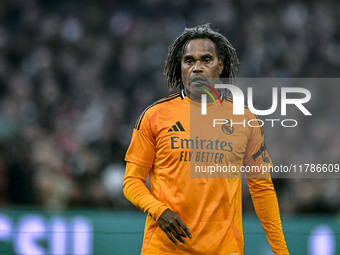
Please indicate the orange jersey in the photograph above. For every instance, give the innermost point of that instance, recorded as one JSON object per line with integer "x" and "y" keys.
{"x": 175, "y": 149}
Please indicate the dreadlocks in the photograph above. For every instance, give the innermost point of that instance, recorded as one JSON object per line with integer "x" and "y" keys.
{"x": 224, "y": 49}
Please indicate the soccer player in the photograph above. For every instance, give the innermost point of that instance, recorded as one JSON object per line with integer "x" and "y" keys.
{"x": 187, "y": 215}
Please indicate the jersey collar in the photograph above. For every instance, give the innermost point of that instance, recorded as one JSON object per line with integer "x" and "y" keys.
{"x": 182, "y": 93}
{"x": 223, "y": 95}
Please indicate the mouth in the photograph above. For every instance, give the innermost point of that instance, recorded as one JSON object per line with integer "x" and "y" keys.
{"x": 198, "y": 80}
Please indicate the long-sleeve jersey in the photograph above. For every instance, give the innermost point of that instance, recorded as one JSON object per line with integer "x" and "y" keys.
{"x": 195, "y": 167}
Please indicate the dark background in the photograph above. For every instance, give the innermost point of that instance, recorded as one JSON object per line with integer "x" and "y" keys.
{"x": 75, "y": 76}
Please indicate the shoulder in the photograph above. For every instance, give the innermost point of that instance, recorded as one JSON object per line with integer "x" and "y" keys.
{"x": 254, "y": 121}
{"x": 157, "y": 106}
{"x": 228, "y": 101}
{"x": 247, "y": 112}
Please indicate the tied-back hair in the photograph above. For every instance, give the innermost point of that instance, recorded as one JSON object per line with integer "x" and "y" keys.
{"x": 224, "y": 49}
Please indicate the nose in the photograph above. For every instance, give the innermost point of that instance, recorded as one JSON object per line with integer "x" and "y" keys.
{"x": 198, "y": 67}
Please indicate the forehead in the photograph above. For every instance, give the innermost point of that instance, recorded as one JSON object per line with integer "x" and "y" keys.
{"x": 200, "y": 46}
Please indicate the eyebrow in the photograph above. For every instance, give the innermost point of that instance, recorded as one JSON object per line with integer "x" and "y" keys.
{"x": 207, "y": 55}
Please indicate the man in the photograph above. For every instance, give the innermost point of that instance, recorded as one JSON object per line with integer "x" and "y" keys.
{"x": 188, "y": 214}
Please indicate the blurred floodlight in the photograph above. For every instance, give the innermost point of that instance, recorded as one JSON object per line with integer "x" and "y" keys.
{"x": 322, "y": 241}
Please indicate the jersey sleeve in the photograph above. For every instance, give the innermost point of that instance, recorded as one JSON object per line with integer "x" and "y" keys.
{"x": 256, "y": 154}
{"x": 267, "y": 210}
{"x": 142, "y": 147}
{"x": 137, "y": 193}
{"x": 140, "y": 157}
{"x": 262, "y": 190}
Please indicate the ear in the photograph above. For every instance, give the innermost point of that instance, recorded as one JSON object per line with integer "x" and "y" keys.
{"x": 221, "y": 66}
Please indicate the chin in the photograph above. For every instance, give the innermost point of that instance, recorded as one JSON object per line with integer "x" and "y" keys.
{"x": 195, "y": 88}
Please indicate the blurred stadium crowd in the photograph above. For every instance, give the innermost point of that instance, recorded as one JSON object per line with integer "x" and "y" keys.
{"x": 75, "y": 75}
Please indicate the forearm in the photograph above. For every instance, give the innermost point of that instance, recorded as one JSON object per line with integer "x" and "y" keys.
{"x": 137, "y": 193}
{"x": 267, "y": 209}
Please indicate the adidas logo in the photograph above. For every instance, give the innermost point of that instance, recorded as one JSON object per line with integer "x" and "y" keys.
{"x": 177, "y": 128}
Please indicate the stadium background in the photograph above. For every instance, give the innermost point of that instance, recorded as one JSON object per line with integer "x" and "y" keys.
{"x": 74, "y": 77}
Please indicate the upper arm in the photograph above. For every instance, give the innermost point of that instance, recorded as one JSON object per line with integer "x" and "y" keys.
{"x": 256, "y": 154}
{"x": 142, "y": 146}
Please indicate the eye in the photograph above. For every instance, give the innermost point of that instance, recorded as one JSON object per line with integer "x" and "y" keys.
{"x": 189, "y": 61}
{"x": 207, "y": 60}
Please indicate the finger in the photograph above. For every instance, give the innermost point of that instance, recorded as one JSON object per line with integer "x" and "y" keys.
{"x": 171, "y": 237}
{"x": 176, "y": 232}
{"x": 184, "y": 227}
{"x": 179, "y": 230}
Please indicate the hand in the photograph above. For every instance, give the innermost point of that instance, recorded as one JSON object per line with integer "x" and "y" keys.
{"x": 173, "y": 226}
